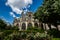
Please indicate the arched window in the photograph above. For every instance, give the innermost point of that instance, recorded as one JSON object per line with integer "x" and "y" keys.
{"x": 17, "y": 25}
{"x": 30, "y": 25}
{"x": 36, "y": 25}
{"x": 23, "y": 26}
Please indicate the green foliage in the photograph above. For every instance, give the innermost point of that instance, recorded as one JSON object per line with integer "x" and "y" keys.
{"x": 23, "y": 35}
{"x": 12, "y": 37}
{"x": 2, "y": 24}
{"x": 20, "y": 35}
{"x": 5, "y": 34}
{"x": 49, "y": 12}
{"x": 55, "y": 38}
{"x": 55, "y": 33}
{"x": 30, "y": 36}
{"x": 15, "y": 28}
{"x": 33, "y": 29}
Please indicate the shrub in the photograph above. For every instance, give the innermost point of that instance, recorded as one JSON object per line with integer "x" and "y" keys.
{"x": 54, "y": 33}
{"x": 30, "y": 36}
{"x": 33, "y": 29}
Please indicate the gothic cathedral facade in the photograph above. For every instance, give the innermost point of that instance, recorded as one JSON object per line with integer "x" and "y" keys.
{"x": 25, "y": 21}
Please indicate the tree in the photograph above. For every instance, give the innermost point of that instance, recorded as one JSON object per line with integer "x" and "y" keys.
{"x": 52, "y": 7}
{"x": 39, "y": 15}
{"x": 49, "y": 12}
{"x": 2, "y": 24}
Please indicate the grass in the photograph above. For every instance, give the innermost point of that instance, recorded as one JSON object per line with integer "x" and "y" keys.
{"x": 55, "y": 38}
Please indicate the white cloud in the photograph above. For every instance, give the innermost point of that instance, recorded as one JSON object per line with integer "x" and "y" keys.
{"x": 17, "y": 5}
{"x": 11, "y": 13}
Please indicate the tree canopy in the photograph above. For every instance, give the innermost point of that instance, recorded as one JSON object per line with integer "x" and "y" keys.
{"x": 49, "y": 12}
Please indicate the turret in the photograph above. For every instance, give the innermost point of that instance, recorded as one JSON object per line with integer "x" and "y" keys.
{"x": 23, "y": 16}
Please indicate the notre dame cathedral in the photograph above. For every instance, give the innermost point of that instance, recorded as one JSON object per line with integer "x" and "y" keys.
{"x": 25, "y": 21}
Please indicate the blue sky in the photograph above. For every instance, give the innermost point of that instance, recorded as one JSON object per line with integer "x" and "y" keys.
{"x": 5, "y": 10}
